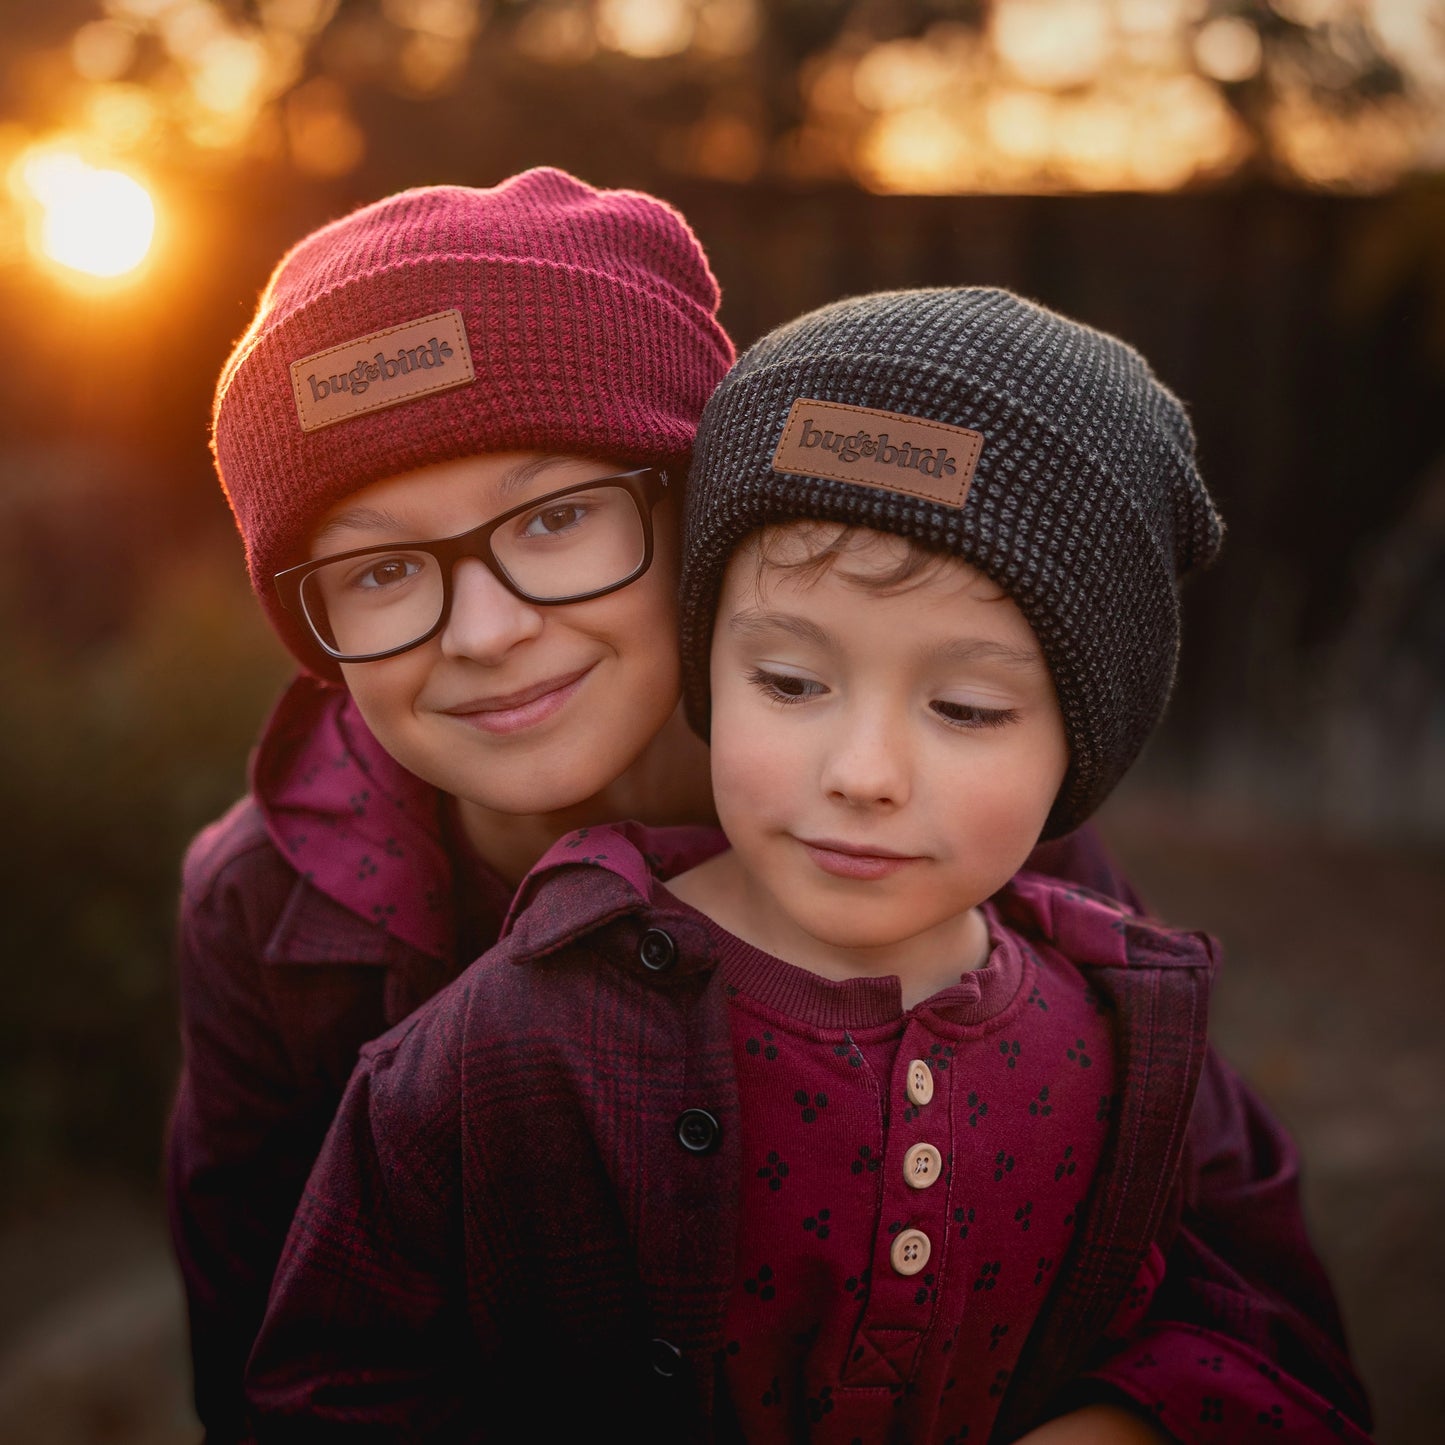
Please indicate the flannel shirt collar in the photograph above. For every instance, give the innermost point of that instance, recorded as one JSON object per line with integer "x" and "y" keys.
{"x": 592, "y": 876}
{"x": 1093, "y": 930}
{"x": 352, "y": 822}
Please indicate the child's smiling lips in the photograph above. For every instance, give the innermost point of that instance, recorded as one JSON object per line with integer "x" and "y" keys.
{"x": 854, "y": 860}
{"x": 514, "y": 711}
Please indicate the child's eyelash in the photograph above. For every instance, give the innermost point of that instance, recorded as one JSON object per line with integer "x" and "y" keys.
{"x": 783, "y": 687}
{"x": 966, "y": 715}
{"x": 787, "y": 689}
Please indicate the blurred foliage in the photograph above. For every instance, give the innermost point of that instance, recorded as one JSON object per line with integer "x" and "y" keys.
{"x": 908, "y": 95}
{"x": 117, "y": 747}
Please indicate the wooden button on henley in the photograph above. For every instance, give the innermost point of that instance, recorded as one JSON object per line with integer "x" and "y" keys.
{"x": 922, "y": 1165}
{"x": 920, "y": 1082}
{"x": 910, "y": 1251}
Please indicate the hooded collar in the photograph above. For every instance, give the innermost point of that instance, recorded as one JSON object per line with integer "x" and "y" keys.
{"x": 354, "y": 823}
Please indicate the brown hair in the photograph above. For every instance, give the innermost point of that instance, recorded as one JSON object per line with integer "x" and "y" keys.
{"x": 916, "y": 566}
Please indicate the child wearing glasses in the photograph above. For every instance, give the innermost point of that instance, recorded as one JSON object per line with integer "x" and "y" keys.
{"x": 517, "y": 372}
{"x": 852, "y": 1130}
{"x": 454, "y": 439}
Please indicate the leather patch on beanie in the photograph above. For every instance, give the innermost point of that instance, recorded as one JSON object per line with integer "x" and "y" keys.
{"x": 381, "y": 369}
{"x": 883, "y": 449}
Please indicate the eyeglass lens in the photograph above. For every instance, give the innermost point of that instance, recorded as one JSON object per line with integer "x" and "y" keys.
{"x": 583, "y": 542}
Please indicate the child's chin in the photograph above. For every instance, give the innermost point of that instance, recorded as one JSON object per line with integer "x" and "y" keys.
{"x": 856, "y": 928}
{"x": 855, "y": 935}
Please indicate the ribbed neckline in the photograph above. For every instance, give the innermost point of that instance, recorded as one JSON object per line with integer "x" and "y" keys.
{"x": 865, "y": 1002}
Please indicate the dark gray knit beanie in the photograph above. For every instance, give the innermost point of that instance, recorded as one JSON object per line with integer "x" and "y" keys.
{"x": 1074, "y": 487}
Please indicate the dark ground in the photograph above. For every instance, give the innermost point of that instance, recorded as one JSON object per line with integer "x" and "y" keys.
{"x": 1330, "y": 1003}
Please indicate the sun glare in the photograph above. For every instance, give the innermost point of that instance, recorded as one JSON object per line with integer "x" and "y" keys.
{"x": 98, "y": 222}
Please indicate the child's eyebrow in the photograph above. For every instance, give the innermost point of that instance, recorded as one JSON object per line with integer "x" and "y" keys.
{"x": 377, "y": 519}
{"x": 983, "y": 649}
{"x": 356, "y": 519}
{"x": 753, "y": 623}
{"x": 516, "y": 477}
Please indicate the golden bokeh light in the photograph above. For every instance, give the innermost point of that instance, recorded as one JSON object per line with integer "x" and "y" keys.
{"x": 324, "y": 140}
{"x": 1020, "y": 125}
{"x": 143, "y": 10}
{"x": 296, "y": 17}
{"x": 1316, "y": 12}
{"x": 1052, "y": 44}
{"x": 230, "y": 72}
{"x": 912, "y": 68}
{"x": 726, "y": 147}
{"x": 1228, "y": 48}
{"x": 447, "y": 19}
{"x": 189, "y": 28}
{"x": 726, "y": 29}
{"x": 560, "y": 34}
{"x": 126, "y": 115}
{"x": 915, "y": 150}
{"x": 1413, "y": 29}
{"x": 646, "y": 29}
{"x": 1100, "y": 95}
{"x": 1335, "y": 150}
{"x": 95, "y": 221}
{"x": 950, "y": 113}
{"x": 431, "y": 64}
{"x": 1036, "y": 96}
{"x": 102, "y": 50}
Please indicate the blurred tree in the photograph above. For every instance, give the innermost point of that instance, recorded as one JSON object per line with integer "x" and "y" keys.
{"x": 944, "y": 96}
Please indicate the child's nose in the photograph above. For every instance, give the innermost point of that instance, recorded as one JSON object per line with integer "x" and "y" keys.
{"x": 486, "y": 620}
{"x": 867, "y": 763}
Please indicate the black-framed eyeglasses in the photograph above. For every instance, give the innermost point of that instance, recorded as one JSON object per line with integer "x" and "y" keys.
{"x": 571, "y": 545}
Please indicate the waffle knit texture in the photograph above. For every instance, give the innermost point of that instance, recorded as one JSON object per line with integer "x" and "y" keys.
{"x": 1086, "y": 506}
{"x": 591, "y": 317}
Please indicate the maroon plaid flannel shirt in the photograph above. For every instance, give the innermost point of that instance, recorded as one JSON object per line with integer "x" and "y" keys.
{"x": 529, "y": 1194}
{"x": 289, "y": 961}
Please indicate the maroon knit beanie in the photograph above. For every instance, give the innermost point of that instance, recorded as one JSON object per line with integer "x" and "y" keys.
{"x": 540, "y": 315}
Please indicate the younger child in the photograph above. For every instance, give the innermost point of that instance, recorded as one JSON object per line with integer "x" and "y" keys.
{"x": 852, "y": 1131}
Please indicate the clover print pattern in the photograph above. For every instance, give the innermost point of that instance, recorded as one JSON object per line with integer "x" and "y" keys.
{"x": 1223, "y": 1397}
{"x": 364, "y": 840}
{"x": 818, "y": 1223}
{"x": 761, "y": 1284}
{"x": 866, "y": 1160}
{"x": 826, "y": 1119}
{"x": 811, "y": 1105}
{"x": 775, "y": 1170}
{"x": 764, "y": 1046}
